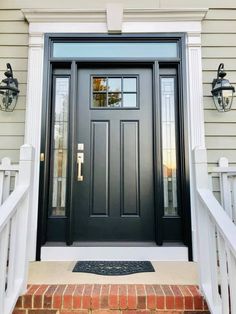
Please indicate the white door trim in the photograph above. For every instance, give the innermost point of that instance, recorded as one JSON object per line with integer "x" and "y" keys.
{"x": 172, "y": 21}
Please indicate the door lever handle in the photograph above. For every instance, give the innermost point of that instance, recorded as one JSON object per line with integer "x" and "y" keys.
{"x": 80, "y": 161}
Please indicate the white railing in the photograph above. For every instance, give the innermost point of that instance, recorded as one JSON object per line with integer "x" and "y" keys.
{"x": 227, "y": 181}
{"x": 14, "y": 225}
{"x": 8, "y": 178}
{"x": 216, "y": 244}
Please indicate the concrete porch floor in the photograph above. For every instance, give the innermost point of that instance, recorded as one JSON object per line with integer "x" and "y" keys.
{"x": 166, "y": 273}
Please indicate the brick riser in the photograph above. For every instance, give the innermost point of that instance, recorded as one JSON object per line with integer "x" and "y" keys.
{"x": 104, "y": 299}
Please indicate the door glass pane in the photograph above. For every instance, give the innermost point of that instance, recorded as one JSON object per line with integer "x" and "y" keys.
{"x": 169, "y": 145}
{"x": 99, "y": 100}
{"x": 114, "y": 84}
{"x": 129, "y": 100}
{"x": 60, "y": 146}
{"x": 99, "y": 84}
{"x": 114, "y": 92}
{"x": 130, "y": 84}
{"x": 114, "y": 100}
{"x": 115, "y": 50}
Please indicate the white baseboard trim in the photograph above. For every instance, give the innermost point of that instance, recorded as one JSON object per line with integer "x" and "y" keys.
{"x": 114, "y": 253}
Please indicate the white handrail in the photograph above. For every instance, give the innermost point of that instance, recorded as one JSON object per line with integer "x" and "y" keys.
{"x": 14, "y": 226}
{"x": 224, "y": 224}
{"x": 216, "y": 237}
{"x": 10, "y": 206}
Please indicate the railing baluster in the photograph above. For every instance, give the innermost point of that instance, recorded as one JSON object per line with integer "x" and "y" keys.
{"x": 16, "y": 179}
{"x": 213, "y": 263}
{"x": 234, "y": 198}
{"x": 4, "y": 242}
{"x": 226, "y": 194}
{"x": 232, "y": 280}
{"x": 12, "y": 257}
{"x": 1, "y": 186}
{"x": 224, "y": 283}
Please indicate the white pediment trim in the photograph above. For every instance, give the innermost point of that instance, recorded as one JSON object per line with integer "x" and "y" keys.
{"x": 129, "y": 15}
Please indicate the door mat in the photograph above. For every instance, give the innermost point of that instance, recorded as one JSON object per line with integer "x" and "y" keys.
{"x": 114, "y": 268}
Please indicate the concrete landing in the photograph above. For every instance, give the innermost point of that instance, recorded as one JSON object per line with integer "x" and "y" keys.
{"x": 166, "y": 273}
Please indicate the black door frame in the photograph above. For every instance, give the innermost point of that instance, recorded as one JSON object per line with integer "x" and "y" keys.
{"x": 73, "y": 64}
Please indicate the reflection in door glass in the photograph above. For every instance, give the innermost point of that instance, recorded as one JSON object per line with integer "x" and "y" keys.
{"x": 60, "y": 146}
{"x": 114, "y": 92}
{"x": 169, "y": 145}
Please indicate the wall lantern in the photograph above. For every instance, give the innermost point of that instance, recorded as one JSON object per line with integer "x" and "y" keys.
{"x": 222, "y": 91}
{"x": 8, "y": 91}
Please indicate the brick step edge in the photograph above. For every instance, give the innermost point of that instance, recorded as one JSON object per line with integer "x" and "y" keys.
{"x": 102, "y": 299}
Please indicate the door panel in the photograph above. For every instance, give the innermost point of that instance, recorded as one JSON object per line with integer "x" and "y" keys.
{"x": 99, "y": 186}
{"x": 115, "y": 200}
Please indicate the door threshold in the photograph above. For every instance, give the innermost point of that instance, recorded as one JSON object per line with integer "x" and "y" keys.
{"x": 103, "y": 244}
{"x": 114, "y": 253}
{"x": 112, "y": 244}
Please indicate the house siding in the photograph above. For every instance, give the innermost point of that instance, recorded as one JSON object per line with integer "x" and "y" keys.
{"x": 13, "y": 49}
{"x": 218, "y": 45}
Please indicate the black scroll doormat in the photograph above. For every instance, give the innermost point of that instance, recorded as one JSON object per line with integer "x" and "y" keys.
{"x": 114, "y": 268}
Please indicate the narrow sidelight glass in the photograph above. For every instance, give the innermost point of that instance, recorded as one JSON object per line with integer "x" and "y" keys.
{"x": 60, "y": 146}
{"x": 168, "y": 104}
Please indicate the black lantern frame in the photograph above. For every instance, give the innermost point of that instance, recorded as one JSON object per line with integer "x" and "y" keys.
{"x": 222, "y": 91}
{"x": 8, "y": 91}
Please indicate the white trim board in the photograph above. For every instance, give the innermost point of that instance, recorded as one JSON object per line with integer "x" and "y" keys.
{"x": 191, "y": 25}
{"x": 114, "y": 253}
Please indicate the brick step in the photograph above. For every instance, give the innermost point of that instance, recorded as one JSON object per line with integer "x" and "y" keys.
{"x": 104, "y": 299}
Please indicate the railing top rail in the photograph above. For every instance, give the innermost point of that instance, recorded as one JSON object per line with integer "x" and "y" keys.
{"x": 219, "y": 216}
{"x": 230, "y": 170}
{"x": 8, "y": 208}
{"x": 6, "y": 165}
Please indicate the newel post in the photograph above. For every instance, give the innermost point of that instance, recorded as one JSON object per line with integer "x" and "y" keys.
{"x": 201, "y": 172}
{"x": 25, "y": 179}
{"x": 202, "y": 218}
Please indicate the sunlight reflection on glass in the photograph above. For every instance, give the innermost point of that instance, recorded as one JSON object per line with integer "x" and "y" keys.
{"x": 60, "y": 146}
{"x": 169, "y": 146}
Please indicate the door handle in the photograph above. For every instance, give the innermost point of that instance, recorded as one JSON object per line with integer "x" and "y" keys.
{"x": 80, "y": 161}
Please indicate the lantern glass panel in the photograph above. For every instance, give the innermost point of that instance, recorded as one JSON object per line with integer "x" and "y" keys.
{"x": 227, "y": 98}
{"x": 8, "y": 100}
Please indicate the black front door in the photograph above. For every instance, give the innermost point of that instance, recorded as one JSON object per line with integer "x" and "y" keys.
{"x": 113, "y": 183}
{"x": 115, "y": 162}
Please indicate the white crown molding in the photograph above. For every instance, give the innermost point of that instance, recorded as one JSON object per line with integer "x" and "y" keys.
{"x": 164, "y": 15}
{"x": 129, "y": 15}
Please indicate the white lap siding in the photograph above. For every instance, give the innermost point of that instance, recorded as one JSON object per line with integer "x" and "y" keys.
{"x": 13, "y": 49}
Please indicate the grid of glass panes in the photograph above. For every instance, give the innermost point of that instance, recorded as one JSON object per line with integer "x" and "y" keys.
{"x": 60, "y": 146}
{"x": 169, "y": 145}
{"x": 114, "y": 92}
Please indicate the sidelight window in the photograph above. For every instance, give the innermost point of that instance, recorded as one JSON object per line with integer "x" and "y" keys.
{"x": 168, "y": 105}
{"x": 60, "y": 146}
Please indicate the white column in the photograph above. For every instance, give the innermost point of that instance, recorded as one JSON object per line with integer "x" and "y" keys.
{"x": 33, "y": 123}
{"x": 195, "y": 116}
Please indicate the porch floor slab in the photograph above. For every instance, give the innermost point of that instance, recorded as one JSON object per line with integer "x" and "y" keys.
{"x": 166, "y": 273}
